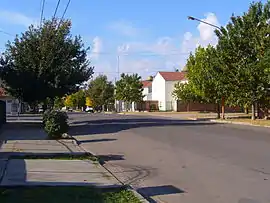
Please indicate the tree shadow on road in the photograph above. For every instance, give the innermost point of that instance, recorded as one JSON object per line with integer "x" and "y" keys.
{"x": 105, "y": 126}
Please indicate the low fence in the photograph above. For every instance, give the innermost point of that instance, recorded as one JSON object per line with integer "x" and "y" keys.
{"x": 194, "y": 106}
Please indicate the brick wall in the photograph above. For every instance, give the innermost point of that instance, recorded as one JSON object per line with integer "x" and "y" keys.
{"x": 194, "y": 106}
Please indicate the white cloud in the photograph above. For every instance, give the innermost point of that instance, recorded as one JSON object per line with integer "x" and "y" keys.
{"x": 124, "y": 28}
{"x": 97, "y": 47}
{"x": 16, "y": 18}
{"x": 206, "y": 31}
{"x": 206, "y": 34}
{"x": 163, "y": 54}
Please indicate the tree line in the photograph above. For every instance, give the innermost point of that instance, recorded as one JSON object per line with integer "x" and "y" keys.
{"x": 237, "y": 69}
{"x": 47, "y": 65}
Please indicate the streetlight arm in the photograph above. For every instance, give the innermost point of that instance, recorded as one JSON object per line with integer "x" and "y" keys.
{"x": 192, "y": 18}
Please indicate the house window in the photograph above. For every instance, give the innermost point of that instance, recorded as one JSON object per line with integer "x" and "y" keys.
{"x": 150, "y": 89}
{"x": 9, "y": 101}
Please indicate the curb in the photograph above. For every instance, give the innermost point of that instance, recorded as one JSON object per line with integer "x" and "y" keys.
{"x": 129, "y": 187}
{"x": 238, "y": 123}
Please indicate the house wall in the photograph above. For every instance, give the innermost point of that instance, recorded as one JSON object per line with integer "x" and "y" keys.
{"x": 171, "y": 102}
{"x": 9, "y": 102}
{"x": 147, "y": 95}
{"x": 159, "y": 91}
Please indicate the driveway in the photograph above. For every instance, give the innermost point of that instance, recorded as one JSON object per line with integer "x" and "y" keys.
{"x": 181, "y": 160}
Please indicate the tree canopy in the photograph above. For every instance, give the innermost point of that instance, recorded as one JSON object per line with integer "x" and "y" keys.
{"x": 45, "y": 62}
{"x": 129, "y": 88}
{"x": 101, "y": 91}
{"x": 243, "y": 48}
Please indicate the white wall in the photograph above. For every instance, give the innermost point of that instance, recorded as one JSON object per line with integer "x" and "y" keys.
{"x": 171, "y": 102}
{"x": 147, "y": 96}
{"x": 158, "y": 91}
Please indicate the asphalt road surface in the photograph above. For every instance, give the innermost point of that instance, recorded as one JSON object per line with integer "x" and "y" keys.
{"x": 182, "y": 161}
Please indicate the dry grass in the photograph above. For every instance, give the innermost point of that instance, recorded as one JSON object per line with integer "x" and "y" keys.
{"x": 260, "y": 122}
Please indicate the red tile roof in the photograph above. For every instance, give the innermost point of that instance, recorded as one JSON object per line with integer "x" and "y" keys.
{"x": 173, "y": 76}
{"x": 146, "y": 83}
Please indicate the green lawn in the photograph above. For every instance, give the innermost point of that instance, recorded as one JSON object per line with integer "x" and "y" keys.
{"x": 65, "y": 195}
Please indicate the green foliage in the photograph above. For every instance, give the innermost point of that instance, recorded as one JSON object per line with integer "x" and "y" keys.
{"x": 243, "y": 48}
{"x": 56, "y": 123}
{"x": 58, "y": 103}
{"x": 186, "y": 93}
{"x": 75, "y": 100}
{"x": 153, "y": 107}
{"x": 129, "y": 88}
{"x": 44, "y": 62}
{"x": 206, "y": 81}
{"x": 79, "y": 98}
{"x": 101, "y": 91}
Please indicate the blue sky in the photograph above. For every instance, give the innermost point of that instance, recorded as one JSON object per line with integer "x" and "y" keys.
{"x": 148, "y": 36}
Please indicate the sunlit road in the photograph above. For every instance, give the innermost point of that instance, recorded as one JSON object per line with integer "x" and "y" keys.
{"x": 181, "y": 161}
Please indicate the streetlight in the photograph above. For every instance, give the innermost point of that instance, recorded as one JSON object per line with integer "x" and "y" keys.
{"x": 193, "y": 18}
{"x": 217, "y": 27}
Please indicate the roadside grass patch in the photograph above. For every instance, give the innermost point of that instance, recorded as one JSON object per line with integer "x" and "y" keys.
{"x": 65, "y": 194}
{"x": 260, "y": 122}
{"x": 57, "y": 157}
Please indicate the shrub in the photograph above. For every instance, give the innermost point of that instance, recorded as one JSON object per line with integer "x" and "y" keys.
{"x": 45, "y": 117}
{"x": 55, "y": 123}
{"x": 153, "y": 107}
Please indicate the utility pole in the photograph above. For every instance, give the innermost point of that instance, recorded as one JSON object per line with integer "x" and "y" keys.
{"x": 217, "y": 27}
{"x": 117, "y": 107}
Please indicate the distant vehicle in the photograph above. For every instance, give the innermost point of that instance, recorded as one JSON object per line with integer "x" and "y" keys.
{"x": 40, "y": 110}
{"x": 89, "y": 109}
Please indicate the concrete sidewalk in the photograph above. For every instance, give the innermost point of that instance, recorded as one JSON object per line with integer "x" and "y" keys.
{"x": 24, "y": 172}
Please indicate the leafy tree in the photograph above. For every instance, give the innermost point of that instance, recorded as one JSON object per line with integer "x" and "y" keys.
{"x": 186, "y": 93}
{"x": 129, "y": 88}
{"x": 101, "y": 91}
{"x": 242, "y": 47}
{"x": 79, "y": 98}
{"x": 88, "y": 101}
{"x": 58, "y": 103}
{"x": 205, "y": 76}
{"x": 45, "y": 62}
{"x": 70, "y": 101}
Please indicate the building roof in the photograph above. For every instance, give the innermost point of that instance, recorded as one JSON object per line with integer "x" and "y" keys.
{"x": 173, "y": 76}
{"x": 146, "y": 83}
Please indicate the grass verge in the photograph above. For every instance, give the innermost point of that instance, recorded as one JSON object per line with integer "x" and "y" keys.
{"x": 260, "y": 122}
{"x": 57, "y": 156}
{"x": 66, "y": 194}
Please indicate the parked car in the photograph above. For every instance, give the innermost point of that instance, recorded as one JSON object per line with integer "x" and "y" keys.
{"x": 89, "y": 109}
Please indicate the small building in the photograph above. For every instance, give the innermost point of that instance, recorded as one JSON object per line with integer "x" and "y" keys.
{"x": 12, "y": 104}
{"x": 162, "y": 88}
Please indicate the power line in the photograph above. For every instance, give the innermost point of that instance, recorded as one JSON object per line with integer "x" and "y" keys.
{"x": 7, "y": 33}
{"x": 55, "y": 11}
{"x": 42, "y": 11}
{"x": 65, "y": 10}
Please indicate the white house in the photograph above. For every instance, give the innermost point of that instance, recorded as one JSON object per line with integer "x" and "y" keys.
{"x": 12, "y": 104}
{"x": 147, "y": 90}
{"x": 163, "y": 86}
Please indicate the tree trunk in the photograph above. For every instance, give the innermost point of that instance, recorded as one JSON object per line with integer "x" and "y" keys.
{"x": 265, "y": 113}
{"x": 222, "y": 108}
{"x": 253, "y": 113}
{"x": 218, "y": 111}
{"x": 246, "y": 110}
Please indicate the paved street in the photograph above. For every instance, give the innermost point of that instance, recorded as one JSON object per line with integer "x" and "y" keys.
{"x": 181, "y": 160}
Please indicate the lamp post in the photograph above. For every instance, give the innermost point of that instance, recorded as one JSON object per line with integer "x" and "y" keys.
{"x": 217, "y": 27}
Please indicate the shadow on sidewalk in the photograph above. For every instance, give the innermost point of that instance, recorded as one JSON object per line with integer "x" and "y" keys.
{"x": 105, "y": 126}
